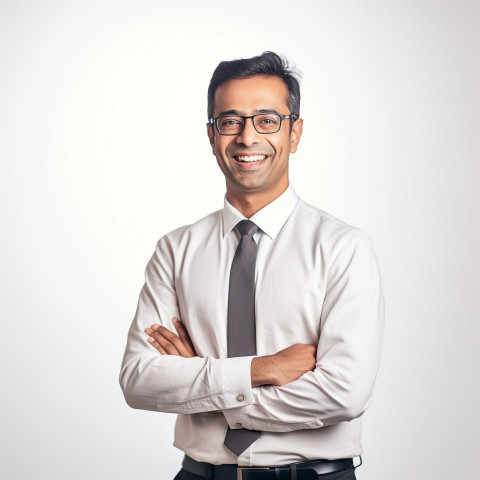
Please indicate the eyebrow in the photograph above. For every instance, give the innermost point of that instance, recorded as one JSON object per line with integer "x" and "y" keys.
{"x": 255, "y": 112}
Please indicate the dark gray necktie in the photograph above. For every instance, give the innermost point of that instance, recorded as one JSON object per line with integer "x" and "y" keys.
{"x": 241, "y": 339}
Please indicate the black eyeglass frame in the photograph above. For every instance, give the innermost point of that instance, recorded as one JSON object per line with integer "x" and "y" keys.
{"x": 214, "y": 121}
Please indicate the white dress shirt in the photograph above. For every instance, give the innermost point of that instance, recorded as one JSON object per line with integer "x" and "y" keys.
{"x": 317, "y": 282}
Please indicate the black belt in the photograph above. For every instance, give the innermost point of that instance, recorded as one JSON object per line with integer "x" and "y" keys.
{"x": 298, "y": 471}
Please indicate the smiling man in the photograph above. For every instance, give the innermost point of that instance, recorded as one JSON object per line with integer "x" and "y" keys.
{"x": 261, "y": 324}
{"x": 255, "y": 166}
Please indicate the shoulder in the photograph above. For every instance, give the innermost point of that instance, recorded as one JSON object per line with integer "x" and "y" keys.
{"x": 173, "y": 247}
{"x": 325, "y": 226}
{"x": 331, "y": 238}
{"x": 339, "y": 244}
{"x": 181, "y": 237}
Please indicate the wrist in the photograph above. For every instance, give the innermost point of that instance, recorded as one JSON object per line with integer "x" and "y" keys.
{"x": 262, "y": 371}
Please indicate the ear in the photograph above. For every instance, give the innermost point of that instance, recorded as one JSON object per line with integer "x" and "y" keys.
{"x": 211, "y": 136}
{"x": 296, "y": 134}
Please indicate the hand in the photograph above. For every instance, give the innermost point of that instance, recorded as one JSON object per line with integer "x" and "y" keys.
{"x": 285, "y": 366}
{"x": 167, "y": 343}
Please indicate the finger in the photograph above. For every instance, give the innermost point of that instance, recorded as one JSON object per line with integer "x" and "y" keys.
{"x": 175, "y": 341}
{"x": 165, "y": 343}
{"x": 184, "y": 336}
{"x": 171, "y": 342}
{"x": 156, "y": 345}
{"x": 158, "y": 340}
{"x": 152, "y": 328}
{"x": 153, "y": 342}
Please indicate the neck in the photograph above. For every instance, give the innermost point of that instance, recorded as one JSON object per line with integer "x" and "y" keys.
{"x": 248, "y": 204}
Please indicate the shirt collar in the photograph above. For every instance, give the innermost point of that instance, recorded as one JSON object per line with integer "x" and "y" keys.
{"x": 270, "y": 219}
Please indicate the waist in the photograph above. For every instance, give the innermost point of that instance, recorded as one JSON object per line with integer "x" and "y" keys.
{"x": 303, "y": 470}
{"x": 201, "y": 437}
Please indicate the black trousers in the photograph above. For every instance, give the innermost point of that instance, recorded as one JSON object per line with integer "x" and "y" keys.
{"x": 344, "y": 475}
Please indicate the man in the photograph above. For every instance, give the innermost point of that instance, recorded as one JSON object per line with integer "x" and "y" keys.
{"x": 274, "y": 359}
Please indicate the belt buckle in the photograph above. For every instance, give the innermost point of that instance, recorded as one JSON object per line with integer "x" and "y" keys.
{"x": 241, "y": 469}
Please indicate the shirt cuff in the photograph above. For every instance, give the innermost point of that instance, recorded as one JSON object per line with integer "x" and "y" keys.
{"x": 237, "y": 389}
{"x": 236, "y": 381}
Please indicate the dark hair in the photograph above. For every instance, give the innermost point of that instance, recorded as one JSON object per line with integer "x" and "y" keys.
{"x": 268, "y": 63}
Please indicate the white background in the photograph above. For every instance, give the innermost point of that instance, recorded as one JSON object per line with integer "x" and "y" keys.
{"x": 104, "y": 149}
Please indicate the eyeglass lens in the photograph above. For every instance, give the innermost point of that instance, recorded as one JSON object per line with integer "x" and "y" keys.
{"x": 264, "y": 123}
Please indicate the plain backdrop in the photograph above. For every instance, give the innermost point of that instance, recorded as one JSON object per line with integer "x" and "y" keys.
{"x": 103, "y": 150}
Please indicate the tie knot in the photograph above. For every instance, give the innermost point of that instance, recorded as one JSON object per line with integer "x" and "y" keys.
{"x": 246, "y": 227}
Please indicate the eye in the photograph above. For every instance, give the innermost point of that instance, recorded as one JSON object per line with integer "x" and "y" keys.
{"x": 230, "y": 121}
{"x": 268, "y": 123}
{"x": 267, "y": 120}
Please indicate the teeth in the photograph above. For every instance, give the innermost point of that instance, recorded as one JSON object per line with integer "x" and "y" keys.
{"x": 251, "y": 158}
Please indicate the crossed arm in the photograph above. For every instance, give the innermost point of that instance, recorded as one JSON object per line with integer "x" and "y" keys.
{"x": 291, "y": 394}
{"x": 279, "y": 369}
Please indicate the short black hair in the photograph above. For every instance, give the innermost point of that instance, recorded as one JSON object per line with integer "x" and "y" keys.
{"x": 268, "y": 63}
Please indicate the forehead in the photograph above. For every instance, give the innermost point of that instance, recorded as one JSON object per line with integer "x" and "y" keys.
{"x": 247, "y": 95}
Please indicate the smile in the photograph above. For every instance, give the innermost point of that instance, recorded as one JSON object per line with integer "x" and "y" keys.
{"x": 250, "y": 158}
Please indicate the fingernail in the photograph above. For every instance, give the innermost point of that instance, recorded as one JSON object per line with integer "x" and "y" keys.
{"x": 150, "y": 340}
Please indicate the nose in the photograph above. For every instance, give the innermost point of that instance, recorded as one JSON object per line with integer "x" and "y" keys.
{"x": 249, "y": 135}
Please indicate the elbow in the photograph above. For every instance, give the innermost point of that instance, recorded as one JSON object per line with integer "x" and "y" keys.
{"x": 135, "y": 395}
{"x": 351, "y": 410}
{"x": 351, "y": 405}
{"x": 128, "y": 389}
{"x": 347, "y": 395}
{"x": 131, "y": 397}
{"x": 345, "y": 404}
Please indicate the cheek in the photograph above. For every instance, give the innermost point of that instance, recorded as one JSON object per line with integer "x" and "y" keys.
{"x": 278, "y": 147}
{"x": 223, "y": 145}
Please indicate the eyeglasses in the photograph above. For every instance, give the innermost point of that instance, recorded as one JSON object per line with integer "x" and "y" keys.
{"x": 263, "y": 123}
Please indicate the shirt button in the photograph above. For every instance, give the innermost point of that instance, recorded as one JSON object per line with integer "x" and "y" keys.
{"x": 240, "y": 398}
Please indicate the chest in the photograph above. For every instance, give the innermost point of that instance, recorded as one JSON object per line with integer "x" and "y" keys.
{"x": 289, "y": 292}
